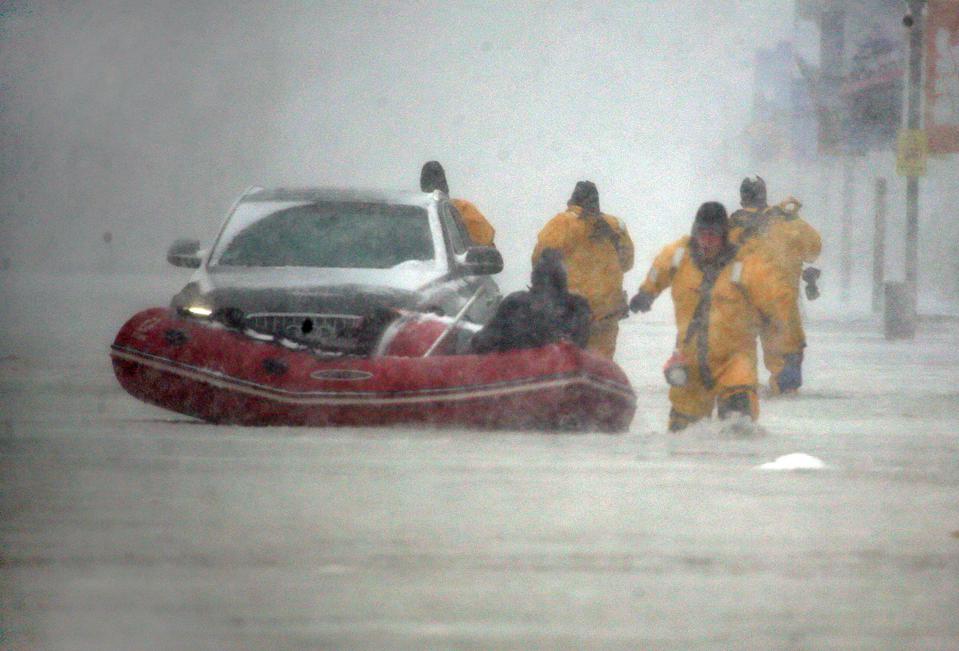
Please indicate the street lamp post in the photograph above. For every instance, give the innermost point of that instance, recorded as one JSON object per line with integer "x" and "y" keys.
{"x": 914, "y": 22}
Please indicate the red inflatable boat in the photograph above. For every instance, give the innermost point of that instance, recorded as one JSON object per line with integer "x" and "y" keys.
{"x": 206, "y": 370}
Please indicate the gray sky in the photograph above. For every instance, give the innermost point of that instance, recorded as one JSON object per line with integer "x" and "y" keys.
{"x": 148, "y": 119}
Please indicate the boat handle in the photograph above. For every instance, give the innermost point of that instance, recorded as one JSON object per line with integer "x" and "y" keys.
{"x": 456, "y": 319}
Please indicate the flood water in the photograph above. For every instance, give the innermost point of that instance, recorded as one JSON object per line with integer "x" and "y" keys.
{"x": 127, "y": 527}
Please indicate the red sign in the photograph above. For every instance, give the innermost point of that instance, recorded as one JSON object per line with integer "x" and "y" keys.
{"x": 942, "y": 76}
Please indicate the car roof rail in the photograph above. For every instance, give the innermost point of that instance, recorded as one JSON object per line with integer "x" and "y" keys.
{"x": 250, "y": 190}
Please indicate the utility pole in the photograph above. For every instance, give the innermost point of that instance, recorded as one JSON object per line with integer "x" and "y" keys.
{"x": 879, "y": 244}
{"x": 845, "y": 235}
{"x": 914, "y": 21}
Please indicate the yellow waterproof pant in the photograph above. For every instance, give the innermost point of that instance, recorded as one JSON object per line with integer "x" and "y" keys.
{"x": 734, "y": 379}
{"x": 602, "y": 336}
{"x": 773, "y": 360}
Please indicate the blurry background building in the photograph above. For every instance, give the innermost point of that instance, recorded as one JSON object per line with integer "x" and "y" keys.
{"x": 147, "y": 120}
{"x": 827, "y": 110}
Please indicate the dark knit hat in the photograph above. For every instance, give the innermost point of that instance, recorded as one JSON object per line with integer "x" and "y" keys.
{"x": 433, "y": 177}
{"x": 711, "y": 214}
{"x": 586, "y": 196}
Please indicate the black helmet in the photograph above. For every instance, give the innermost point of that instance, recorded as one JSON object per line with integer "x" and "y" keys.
{"x": 586, "y": 196}
{"x": 433, "y": 177}
{"x": 752, "y": 192}
{"x": 711, "y": 214}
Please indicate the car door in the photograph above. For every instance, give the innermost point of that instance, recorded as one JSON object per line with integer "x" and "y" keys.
{"x": 458, "y": 242}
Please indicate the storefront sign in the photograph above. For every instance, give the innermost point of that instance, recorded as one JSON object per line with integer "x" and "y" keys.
{"x": 942, "y": 76}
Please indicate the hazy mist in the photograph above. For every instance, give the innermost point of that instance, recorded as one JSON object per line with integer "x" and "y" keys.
{"x": 147, "y": 120}
{"x": 127, "y": 124}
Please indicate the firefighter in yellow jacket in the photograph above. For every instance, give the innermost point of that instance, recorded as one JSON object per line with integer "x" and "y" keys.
{"x": 597, "y": 251}
{"x": 788, "y": 241}
{"x": 433, "y": 177}
{"x": 720, "y": 297}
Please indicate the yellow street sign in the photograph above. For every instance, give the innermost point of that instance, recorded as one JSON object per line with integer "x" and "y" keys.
{"x": 912, "y": 152}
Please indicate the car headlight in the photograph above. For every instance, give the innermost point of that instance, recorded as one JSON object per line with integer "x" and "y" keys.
{"x": 198, "y": 310}
{"x": 189, "y": 301}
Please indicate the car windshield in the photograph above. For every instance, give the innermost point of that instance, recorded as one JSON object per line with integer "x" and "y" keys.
{"x": 333, "y": 234}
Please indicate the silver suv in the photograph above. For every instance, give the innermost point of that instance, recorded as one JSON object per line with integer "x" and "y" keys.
{"x": 321, "y": 266}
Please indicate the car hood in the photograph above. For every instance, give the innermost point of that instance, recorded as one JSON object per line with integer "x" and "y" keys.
{"x": 344, "y": 291}
{"x": 407, "y": 277}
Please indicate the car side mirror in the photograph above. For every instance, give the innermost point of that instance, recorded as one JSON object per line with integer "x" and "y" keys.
{"x": 183, "y": 253}
{"x": 483, "y": 261}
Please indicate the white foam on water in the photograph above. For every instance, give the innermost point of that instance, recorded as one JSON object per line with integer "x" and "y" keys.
{"x": 794, "y": 461}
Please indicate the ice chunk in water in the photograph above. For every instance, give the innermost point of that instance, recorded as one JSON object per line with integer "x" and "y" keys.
{"x": 794, "y": 461}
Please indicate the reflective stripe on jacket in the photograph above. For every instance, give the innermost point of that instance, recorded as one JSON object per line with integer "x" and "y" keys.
{"x": 724, "y": 316}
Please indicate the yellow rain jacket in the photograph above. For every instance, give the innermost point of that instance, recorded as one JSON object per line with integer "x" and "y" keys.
{"x": 717, "y": 323}
{"x": 785, "y": 237}
{"x": 596, "y": 260}
{"x": 787, "y": 241}
{"x": 480, "y": 230}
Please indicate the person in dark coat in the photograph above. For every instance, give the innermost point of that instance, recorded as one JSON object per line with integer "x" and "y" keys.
{"x": 545, "y": 314}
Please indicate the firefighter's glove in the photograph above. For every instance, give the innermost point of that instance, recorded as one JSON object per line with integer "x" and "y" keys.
{"x": 790, "y": 378}
{"x": 811, "y": 275}
{"x": 641, "y": 302}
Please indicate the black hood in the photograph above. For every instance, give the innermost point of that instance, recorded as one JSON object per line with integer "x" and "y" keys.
{"x": 549, "y": 274}
{"x": 586, "y": 196}
{"x": 433, "y": 177}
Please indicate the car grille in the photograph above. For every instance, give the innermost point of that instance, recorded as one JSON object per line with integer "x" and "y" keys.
{"x": 337, "y": 331}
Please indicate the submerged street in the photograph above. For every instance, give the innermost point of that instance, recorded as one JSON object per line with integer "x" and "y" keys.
{"x": 125, "y": 526}
{"x": 330, "y": 176}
